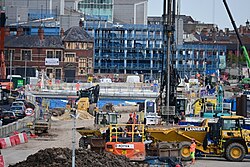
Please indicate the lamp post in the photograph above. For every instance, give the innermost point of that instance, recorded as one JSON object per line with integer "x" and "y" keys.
{"x": 74, "y": 116}
{"x": 25, "y": 70}
{"x": 10, "y": 71}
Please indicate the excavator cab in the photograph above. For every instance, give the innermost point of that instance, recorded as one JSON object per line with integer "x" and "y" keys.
{"x": 106, "y": 118}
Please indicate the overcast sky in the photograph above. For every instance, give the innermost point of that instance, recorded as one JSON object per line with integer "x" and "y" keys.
{"x": 208, "y": 11}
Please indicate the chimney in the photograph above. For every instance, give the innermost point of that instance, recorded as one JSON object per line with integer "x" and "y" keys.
{"x": 7, "y": 31}
{"x": 41, "y": 33}
{"x": 80, "y": 23}
{"x": 227, "y": 31}
{"x": 19, "y": 31}
{"x": 62, "y": 32}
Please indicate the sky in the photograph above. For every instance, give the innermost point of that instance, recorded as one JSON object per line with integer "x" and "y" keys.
{"x": 208, "y": 11}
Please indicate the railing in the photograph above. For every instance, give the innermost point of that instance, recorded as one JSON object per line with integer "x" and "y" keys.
{"x": 6, "y": 130}
{"x": 21, "y": 124}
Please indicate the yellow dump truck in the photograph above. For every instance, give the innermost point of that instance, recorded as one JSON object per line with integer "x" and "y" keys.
{"x": 229, "y": 138}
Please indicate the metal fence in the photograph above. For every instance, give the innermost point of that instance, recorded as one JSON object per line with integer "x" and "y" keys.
{"x": 21, "y": 124}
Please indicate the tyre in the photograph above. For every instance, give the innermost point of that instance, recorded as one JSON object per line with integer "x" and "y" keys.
{"x": 235, "y": 152}
{"x": 184, "y": 151}
{"x": 82, "y": 142}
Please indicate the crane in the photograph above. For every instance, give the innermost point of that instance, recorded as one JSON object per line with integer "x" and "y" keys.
{"x": 244, "y": 49}
{"x": 2, "y": 61}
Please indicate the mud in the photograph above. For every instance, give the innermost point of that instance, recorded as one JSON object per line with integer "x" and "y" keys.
{"x": 62, "y": 157}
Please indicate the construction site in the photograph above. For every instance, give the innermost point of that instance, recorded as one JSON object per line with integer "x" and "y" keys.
{"x": 172, "y": 108}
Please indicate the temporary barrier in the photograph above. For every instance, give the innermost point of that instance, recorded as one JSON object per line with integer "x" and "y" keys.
{"x": 7, "y": 141}
{"x": 1, "y": 161}
{"x": 12, "y": 140}
{"x": 23, "y": 137}
{"x": 17, "y": 139}
{"x": 2, "y": 143}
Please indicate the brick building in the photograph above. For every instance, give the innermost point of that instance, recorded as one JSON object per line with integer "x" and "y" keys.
{"x": 68, "y": 56}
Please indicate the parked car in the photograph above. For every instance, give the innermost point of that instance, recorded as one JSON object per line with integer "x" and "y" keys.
{"x": 8, "y": 117}
{"x": 22, "y": 100}
{"x": 18, "y": 103}
{"x": 18, "y": 110}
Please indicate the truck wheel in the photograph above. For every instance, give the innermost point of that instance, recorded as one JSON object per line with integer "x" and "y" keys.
{"x": 184, "y": 151}
{"x": 235, "y": 152}
{"x": 82, "y": 142}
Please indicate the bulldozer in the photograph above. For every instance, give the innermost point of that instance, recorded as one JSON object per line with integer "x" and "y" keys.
{"x": 229, "y": 137}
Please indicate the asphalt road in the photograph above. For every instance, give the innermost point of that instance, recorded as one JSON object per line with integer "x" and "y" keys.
{"x": 219, "y": 162}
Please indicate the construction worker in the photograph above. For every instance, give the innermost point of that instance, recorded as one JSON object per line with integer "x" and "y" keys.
{"x": 192, "y": 151}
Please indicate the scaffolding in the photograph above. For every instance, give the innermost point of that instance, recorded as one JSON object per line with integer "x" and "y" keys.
{"x": 137, "y": 49}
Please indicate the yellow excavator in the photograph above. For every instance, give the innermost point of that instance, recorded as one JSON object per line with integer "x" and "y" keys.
{"x": 87, "y": 99}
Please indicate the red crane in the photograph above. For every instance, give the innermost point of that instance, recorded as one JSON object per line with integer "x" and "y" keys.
{"x": 2, "y": 31}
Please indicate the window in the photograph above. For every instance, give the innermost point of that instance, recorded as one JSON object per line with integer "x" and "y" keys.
{"x": 90, "y": 45}
{"x": 49, "y": 54}
{"x": 85, "y": 46}
{"x": 8, "y": 54}
{"x": 49, "y": 73}
{"x": 58, "y": 73}
{"x": 82, "y": 71}
{"x": 70, "y": 57}
{"x": 58, "y": 55}
{"x": 231, "y": 124}
{"x": 82, "y": 62}
{"x": 90, "y": 62}
{"x": 26, "y": 55}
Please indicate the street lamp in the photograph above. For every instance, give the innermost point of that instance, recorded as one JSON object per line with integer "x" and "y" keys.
{"x": 74, "y": 116}
{"x": 10, "y": 71}
{"x": 25, "y": 70}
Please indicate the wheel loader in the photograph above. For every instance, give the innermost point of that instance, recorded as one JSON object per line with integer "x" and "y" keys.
{"x": 229, "y": 137}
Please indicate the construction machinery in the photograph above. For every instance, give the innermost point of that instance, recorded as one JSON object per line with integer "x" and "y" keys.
{"x": 170, "y": 78}
{"x": 88, "y": 98}
{"x": 228, "y": 137}
{"x": 94, "y": 138}
{"x": 148, "y": 112}
{"x": 127, "y": 140}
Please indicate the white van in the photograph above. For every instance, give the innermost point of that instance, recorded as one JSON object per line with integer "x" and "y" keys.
{"x": 105, "y": 80}
{"x": 133, "y": 79}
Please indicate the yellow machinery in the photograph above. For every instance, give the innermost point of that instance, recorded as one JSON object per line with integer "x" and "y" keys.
{"x": 198, "y": 104}
{"x": 229, "y": 138}
{"x": 83, "y": 104}
{"x": 88, "y": 98}
{"x": 95, "y": 138}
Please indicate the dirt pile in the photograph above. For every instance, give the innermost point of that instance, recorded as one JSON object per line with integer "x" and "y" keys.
{"x": 62, "y": 157}
{"x": 66, "y": 116}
